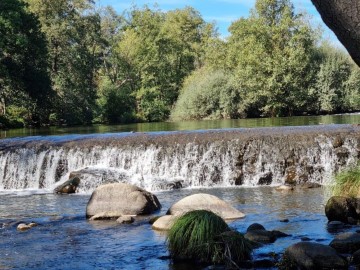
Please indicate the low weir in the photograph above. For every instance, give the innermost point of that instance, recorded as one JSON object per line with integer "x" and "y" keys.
{"x": 165, "y": 160}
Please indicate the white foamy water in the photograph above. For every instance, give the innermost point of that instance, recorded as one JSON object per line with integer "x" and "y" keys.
{"x": 222, "y": 162}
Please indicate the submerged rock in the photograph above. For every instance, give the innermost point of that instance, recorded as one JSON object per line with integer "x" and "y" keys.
{"x": 203, "y": 201}
{"x": 344, "y": 209}
{"x": 307, "y": 255}
{"x": 68, "y": 187}
{"x": 309, "y": 185}
{"x": 346, "y": 242}
{"x": 24, "y": 227}
{"x": 121, "y": 199}
{"x": 164, "y": 185}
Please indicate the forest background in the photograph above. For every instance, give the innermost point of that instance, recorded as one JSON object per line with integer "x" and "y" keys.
{"x": 69, "y": 62}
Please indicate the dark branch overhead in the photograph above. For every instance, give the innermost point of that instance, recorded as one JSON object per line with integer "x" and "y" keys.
{"x": 343, "y": 17}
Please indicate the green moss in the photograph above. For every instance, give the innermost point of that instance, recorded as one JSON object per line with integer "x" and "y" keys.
{"x": 204, "y": 237}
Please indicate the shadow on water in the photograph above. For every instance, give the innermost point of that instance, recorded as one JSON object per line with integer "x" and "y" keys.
{"x": 64, "y": 239}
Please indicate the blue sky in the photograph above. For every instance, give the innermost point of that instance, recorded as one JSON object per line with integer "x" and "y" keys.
{"x": 223, "y": 12}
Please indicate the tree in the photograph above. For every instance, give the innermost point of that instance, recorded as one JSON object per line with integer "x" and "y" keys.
{"x": 159, "y": 50}
{"x": 330, "y": 81}
{"x": 343, "y": 17}
{"x": 72, "y": 29}
{"x": 24, "y": 81}
{"x": 271, "y": 53}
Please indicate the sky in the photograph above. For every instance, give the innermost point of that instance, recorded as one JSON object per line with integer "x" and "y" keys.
{"x": 223, "y": 12}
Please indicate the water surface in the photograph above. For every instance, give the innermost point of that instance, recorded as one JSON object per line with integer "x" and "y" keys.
{"x": 66, "y": 240}
{"x": 189, "y": 125}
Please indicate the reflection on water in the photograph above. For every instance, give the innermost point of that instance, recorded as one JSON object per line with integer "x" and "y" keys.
{"x": 66, "y": 240}
{"x": 189, "y": 125}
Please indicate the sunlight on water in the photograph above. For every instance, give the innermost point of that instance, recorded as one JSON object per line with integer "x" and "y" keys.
{"x": 66, "y": 240}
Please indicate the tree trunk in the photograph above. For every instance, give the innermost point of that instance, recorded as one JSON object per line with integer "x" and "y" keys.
{"x": 343, "y": 17}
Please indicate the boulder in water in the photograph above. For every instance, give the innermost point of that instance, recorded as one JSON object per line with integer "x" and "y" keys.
{"x": 164, "y": 223}
{"x": 68, "y": 187}
{"x": 257, "y": 233}
{"x": 307, "y": 255}
{"x": 121, "y": 199}
{"x": 203, "y": 201}
{"x": 344, "y": 209}
{"x": 348, "y": 242}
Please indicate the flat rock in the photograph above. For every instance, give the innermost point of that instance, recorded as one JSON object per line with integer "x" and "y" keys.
{"x": 348, "y": 242}
{"x": 285, "y": 188}
{"x": 125, "y": 219}
{"x": 121, "y": 199}
{"x": 164, "y": 223}
{"x": 309, "y": 185}
{"x": 307, "y": 255}
{"x": 106, "y": 215}
{"x": 203, "y": 201}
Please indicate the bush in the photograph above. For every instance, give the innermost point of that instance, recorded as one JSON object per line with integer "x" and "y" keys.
{"x": 347, "y": 183}
{"x": 204, "y": 237}
{"x": 207, "y": 94}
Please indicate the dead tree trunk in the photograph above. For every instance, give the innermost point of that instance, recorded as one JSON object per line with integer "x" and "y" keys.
{"x": 343, "y": 18}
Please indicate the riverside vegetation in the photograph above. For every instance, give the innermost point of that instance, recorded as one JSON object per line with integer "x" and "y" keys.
{"x": 71, "y": 62}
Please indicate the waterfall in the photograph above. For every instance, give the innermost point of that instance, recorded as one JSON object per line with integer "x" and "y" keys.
{"x": 157, "y": 161}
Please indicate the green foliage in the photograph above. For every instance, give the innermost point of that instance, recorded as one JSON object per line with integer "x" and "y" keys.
{"x": 271, "y": 54}
{"x": 72, "y": 29}
{"x": 331, "y": 78}
{"x": 71, "y": 61}
{"x": 204, "y": 237}
{"x": 159, "y": 50}
{"x": 347, "y": 183}
{"x": 207, "y": 94}
{"x": 23, "y": 63}
{"x": 116, "y": 103}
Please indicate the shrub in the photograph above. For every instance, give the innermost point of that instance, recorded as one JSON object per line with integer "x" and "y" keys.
{"x": 204, "y": 237}
{"x": 207, "y": 94}
{"x": 347, "y": 182}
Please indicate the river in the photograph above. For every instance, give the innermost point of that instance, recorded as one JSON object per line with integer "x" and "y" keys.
{"x": 240, "y": 163}
{"x": 188, "y": 125}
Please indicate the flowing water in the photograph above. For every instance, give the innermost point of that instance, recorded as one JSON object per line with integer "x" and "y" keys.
{"x": 66, "y": 240}
{"x": 240, "y": 165}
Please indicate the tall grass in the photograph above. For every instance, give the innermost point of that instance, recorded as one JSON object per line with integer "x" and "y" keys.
{"x": 347, "y": 183}
{"x": 204, "y": 237}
